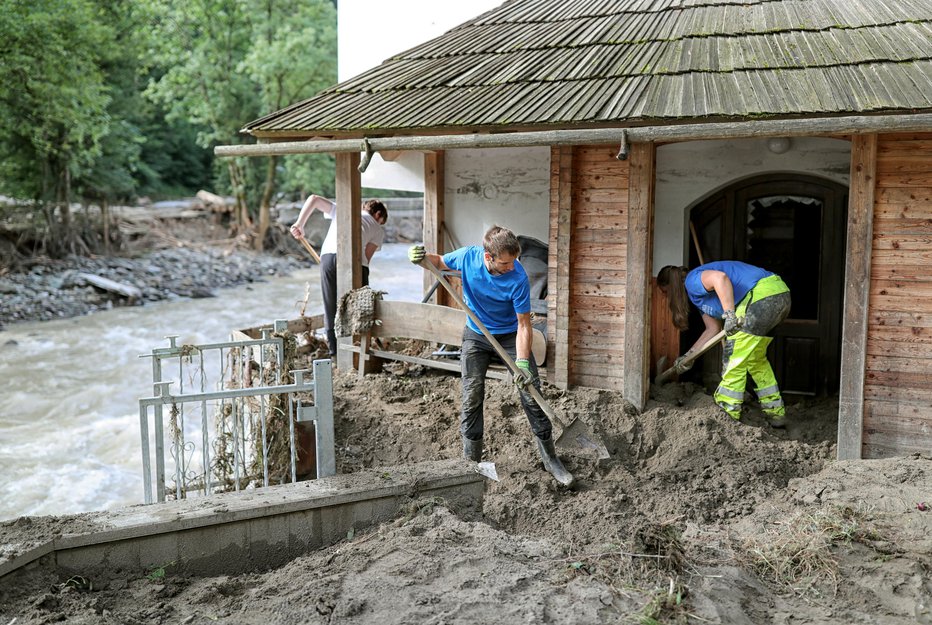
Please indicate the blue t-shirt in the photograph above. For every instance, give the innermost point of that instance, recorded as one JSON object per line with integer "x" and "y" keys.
{"x": 496, "y": 300}
{"x": 743, "y": 278}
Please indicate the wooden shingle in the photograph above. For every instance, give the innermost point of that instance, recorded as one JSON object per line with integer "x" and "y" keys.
{"x": 550, "y": 63}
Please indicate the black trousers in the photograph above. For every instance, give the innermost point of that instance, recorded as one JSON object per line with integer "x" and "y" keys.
{"x": 476, "y": 356}
{"x": 328, "y": 291}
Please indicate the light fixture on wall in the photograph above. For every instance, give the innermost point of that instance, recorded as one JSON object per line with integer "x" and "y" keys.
{"x": 778, "y": 145}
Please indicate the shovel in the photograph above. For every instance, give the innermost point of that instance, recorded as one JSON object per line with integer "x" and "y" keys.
{"x": 669, "y": 373}
{"x": 310, "y": 250}
{"x": 576, "y": 436}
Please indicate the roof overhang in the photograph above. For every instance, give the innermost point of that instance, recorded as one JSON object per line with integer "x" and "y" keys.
{"x": 799, "y": 127}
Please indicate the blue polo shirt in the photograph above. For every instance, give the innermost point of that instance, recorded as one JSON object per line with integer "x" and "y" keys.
{"x": 496, "y": 300}
{"x": 743, "y": 278}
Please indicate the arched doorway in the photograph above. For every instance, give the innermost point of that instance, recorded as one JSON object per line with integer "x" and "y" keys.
{"x": 793, "y": 225}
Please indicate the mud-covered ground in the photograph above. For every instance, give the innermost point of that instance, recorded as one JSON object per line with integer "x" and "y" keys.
{"x": 694, "y": 518}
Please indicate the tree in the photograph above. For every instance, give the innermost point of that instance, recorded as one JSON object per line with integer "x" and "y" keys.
{"x": 230, "y": 61}
{"x": 53, "y": 105}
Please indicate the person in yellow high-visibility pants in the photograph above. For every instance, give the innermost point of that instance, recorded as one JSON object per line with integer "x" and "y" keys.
{"x": 749, "y": 302}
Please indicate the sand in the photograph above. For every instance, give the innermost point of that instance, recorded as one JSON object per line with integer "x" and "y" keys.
{"x": 695, "y": 518}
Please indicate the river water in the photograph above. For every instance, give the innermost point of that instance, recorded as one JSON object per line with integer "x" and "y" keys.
{"x": 69, "y": 389}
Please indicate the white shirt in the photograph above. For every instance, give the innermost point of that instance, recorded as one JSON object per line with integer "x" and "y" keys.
{"x": 371, "y": 232}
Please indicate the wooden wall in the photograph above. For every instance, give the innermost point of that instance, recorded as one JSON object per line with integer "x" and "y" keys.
{"x": 898, "y": 367}
{"x": 588, "y": 247}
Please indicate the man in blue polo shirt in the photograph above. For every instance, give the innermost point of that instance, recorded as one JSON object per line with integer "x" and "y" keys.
{"x": 496, "y": 289}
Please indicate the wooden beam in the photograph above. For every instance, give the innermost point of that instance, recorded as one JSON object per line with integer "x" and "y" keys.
{"x": 349, "y": 252}
{"x": 637, "y": 288}
{"x": 850, "y": 125}
{"x": 561, "y": 231}
{"x": 434, "y": 216}
{"x": 857, "y": 296}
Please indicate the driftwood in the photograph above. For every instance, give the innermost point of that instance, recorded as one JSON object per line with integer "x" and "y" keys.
{"x": 216, "y": 203}
{"x": 126, "y": 290}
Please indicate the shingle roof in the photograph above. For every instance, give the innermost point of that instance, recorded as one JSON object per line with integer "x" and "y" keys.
{"x": 585, "y": 63}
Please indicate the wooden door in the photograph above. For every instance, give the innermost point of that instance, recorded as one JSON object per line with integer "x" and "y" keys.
{"x": 795, "y": 227}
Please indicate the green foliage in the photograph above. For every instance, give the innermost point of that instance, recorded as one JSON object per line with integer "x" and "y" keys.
{"x": 228, "y": 62}
{"x": 107, "y": 99}
{"x": 53, "y": 111}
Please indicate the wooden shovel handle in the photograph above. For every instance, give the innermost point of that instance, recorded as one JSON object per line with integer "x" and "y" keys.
{"x": 506, "y": 358}
{"x": 310, "y": 250}
{"x": 669, "y": 373}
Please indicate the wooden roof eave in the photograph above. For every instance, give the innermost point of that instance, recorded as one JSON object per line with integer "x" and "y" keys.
{"x": 919, "y": 121}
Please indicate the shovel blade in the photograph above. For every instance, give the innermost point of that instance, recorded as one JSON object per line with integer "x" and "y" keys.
{"x": 576, "y": 438}
{"x": 487, "y": 469}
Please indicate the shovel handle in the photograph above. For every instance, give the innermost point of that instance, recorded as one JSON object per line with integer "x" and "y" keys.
{"x": 669, "y": 373}
{"x": 310, "y": 250}
{"x": 506, "y": 358}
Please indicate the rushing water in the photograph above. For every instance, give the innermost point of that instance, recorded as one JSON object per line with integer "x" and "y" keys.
{"x": 69, "y": 415}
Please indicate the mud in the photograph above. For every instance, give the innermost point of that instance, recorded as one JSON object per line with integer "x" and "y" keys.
{"x": 694, "y": 518}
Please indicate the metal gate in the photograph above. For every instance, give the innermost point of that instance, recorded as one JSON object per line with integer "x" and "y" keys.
{"x": 230, "y": 424}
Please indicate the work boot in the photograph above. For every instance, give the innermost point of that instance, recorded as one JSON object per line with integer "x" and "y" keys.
{"x": 472, "y": 450}
{"x": 552, "y": 462}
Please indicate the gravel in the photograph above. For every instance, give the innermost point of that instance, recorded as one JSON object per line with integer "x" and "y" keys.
{"x": 55, "y": 289}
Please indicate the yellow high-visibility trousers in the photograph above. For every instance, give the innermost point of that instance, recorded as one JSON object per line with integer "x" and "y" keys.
{"x": 747, "y": 354}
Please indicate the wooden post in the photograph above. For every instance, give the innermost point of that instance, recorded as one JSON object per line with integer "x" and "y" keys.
{"x": 561, "y": 235}
{"x": 638, "y": 268}
{"x": 434, "y": 215}
{"x": 349, "y": 252}
{"x": 857, "y": 296}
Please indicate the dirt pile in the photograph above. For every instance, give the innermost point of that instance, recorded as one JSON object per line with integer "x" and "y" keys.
{"x": 694, "y": 518}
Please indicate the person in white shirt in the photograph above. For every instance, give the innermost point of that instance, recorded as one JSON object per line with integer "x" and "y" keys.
{"x": 374, "y": 216}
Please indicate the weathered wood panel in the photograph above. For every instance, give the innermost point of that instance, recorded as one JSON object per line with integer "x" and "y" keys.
{"x": 898, "y": 348}
{"x": 349, "y": 240}
{"x": 434, "y": 216}
{"x": 560, "y": 254}
{"x": 638, "y": 260}
{"x": 588, "y": 266}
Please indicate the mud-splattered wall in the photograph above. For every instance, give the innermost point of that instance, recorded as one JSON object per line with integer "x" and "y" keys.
{"x": 504, "y": 186}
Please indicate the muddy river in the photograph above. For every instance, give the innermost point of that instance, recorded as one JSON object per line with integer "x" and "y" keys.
{"x": 69, "y": 424}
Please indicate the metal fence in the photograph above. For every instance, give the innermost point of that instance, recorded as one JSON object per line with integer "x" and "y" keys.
{"x": 242, "y": 433}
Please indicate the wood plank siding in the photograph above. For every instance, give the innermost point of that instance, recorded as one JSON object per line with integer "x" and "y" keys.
{"x": 588, "y": 256}
{"x": 898, "y": 359}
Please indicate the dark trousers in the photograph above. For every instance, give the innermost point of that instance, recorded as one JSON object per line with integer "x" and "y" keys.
{"x": 477, "y": 355}
{"x": 328, "y": 290}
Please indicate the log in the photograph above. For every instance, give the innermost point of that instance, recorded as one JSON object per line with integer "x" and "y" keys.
{"x": 215, "y": 202}
{"x": 126, "y": 290}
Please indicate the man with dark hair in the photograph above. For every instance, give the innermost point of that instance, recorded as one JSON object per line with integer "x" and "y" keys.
{"x": 496, "y": 289}
{"x": 374, "y": 216}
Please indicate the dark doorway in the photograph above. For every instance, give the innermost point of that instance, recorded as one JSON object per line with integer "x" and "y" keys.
{"x": 794, "y": 226}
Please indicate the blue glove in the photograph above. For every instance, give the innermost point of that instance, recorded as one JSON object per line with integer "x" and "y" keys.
{"x": 416, "y": 253}
{"x": 523, "y": 376}
{"x": 732, "y": 323}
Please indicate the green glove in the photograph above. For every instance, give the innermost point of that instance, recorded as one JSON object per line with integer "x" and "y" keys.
{"x": 680, "y": 366}
{"x": 523, "y": 376}
{"x": 733, "y": 323}
{"x": 416, "y": 253}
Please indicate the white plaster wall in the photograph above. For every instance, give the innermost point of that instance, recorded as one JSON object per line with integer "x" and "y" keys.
{"x": 505, "y": 186}
{"x": 689, "y": 172}
{"x": 371, "y": 31}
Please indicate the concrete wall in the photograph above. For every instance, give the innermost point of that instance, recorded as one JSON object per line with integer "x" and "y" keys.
{"x": 505, "y": 186}
{"x": 244, "y": 531}
{"x": 691, "y": 171}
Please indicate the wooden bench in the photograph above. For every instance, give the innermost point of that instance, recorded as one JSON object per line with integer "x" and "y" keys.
{"x": 425, "y": 322}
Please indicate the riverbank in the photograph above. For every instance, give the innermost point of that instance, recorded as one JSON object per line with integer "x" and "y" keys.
{"x": 57, "y": 289}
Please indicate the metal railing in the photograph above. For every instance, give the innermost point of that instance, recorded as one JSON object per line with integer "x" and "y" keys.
{"x": 245, "y": 428}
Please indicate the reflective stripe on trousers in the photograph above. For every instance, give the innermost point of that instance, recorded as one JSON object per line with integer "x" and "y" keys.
{"x": 747, "y": 353}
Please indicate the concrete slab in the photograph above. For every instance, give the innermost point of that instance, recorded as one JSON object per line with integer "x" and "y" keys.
{"x": 248, "y": 530}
